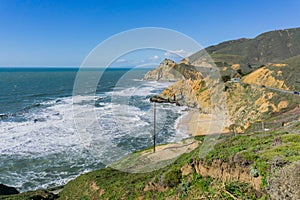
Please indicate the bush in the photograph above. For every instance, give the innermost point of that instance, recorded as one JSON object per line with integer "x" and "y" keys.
{"x": 254, "y": 172}
{"x": 171, "y": 178}
{"x": 184, "y": 187}
{"x": 226, "y": 78}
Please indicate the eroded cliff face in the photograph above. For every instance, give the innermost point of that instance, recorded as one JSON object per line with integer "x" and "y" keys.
{"x": 267, "y": 77}
{"x": 164, "y": 72}
{"x": 168, "y": 70}
{"x": 246, "y": 103}
{"x": 191, "y": 93}
{"x": 227, "y": 172}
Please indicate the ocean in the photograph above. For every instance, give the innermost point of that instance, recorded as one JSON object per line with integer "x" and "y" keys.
{"x": 41, "y": 144}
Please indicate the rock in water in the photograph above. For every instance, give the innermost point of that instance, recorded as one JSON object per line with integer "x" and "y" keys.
{"x": 160, "y": 99}
{"x": 7, "y": 190}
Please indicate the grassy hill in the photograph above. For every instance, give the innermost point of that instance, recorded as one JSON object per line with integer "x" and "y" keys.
{"x": 255, "y": 165}
{"x": 271, "y": 46}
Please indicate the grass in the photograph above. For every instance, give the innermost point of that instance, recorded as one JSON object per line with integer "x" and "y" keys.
{"x": 256, "y": 150}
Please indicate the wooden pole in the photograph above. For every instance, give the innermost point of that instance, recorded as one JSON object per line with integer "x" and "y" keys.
{"x": 154, "y": 127}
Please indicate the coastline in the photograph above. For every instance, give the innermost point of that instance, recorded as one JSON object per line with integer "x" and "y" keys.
{"x": 195, "y": 123}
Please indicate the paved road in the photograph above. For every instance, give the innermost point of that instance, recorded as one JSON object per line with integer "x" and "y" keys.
{"x": 275, "y": 89}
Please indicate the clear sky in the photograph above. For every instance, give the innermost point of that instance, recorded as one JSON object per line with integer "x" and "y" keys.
{"x": 63, "y": 32}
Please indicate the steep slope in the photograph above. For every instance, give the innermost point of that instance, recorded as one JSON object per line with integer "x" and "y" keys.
{"x": 245, "y": 104}
{"x": 269, "y": 62}
{"x": 247, "y": 166}
{"x": 271, "y": 46}
{"x": 282, "y": 75}
{"x": 168, "y": 70}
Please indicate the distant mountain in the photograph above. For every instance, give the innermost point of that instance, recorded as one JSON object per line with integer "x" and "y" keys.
{"x": 268, "y": 47}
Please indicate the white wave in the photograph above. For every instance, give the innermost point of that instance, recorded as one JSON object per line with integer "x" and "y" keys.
{"x": 181, "y": 129}
{"x": 74, "y": 124}
{"x": 147, "y": 88}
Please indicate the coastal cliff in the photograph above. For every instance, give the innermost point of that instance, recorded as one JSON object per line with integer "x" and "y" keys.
{"x": 168, "y": 70}
{"x": 261, "y": 163}
{"x": 247, "y": 101}
{"x": 261, "y": 86}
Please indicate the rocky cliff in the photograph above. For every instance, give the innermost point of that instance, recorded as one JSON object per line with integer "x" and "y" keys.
{"x": 168, "y": 70}
{"x": 245, "y": 104}
{"x": 226, "y": 172}
{"x": 255, "y": 61}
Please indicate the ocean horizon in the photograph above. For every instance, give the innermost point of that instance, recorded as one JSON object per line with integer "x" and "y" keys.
{"x": 42, "y": 146}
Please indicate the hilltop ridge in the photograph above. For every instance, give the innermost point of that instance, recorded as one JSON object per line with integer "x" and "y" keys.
{"x": 272, "y": 46}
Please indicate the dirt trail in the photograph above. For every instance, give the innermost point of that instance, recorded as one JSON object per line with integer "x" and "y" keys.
{"x": 147, "y": 160}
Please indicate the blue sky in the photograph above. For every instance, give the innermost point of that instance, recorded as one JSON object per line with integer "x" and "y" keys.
{"x": 63, "y": 32}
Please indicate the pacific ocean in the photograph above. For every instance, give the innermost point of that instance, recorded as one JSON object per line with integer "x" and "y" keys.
{"x": 43, "y": 146}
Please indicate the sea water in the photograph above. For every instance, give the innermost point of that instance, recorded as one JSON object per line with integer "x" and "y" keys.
{"x": 42, "y": 146}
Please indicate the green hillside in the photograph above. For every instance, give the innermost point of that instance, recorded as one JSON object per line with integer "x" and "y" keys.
{"x": 260, "y": 156}
{"x": 271, "y": 46}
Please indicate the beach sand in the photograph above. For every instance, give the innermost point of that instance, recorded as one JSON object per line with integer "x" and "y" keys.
{"x": 195, "y": 124}
{"x": 192, "y": 123}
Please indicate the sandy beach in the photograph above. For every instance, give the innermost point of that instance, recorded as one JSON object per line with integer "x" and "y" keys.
{"x": 195, "y": 123}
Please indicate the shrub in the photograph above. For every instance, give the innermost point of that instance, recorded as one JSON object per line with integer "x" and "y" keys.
{"x": 226, "y": 78}
{"x": 171, "y": 178}
{"x": 254, "y": 172}
{"x": 184, "y": 187}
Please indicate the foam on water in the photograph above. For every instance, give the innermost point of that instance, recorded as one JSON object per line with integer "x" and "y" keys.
{"x": 63, "y": 138}
{"x": 148, "y": 88}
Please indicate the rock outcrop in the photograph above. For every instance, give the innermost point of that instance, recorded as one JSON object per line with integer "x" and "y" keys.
{"x": 186, "y": 93}
{"x": 7, "y": 190}
{"x": 227, "y": 172}
{"x": 246, "y": 102}
{"x": 164, "y": 72}
{"x": 267, "y": 77}
{"x": 168, "y": 70}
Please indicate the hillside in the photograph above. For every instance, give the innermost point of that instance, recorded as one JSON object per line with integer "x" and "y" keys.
{"x": 255, "y": 165}
{"x": 267, "y": 65}
{"x": 268, "y": 47}
{"x": 168, "y": 70}
{"x": 245, "y": 103}
{"x": 282, "y": 75}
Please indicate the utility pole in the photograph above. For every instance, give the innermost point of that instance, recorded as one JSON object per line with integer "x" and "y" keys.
{"x": 154, "y": 127}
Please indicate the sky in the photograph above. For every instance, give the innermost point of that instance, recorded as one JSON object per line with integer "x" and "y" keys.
{"x": 63, "y": 32}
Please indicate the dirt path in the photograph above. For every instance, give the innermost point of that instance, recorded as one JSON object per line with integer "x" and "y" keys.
{"x": 147, "y": 160}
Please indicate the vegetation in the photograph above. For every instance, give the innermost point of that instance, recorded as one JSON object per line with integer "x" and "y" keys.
{"x": 257, "y": 51}
{"x": 260, "y": 151}
{"x": 226, "y": 78}
{"x": 265, "y": 153}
